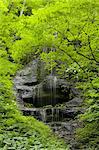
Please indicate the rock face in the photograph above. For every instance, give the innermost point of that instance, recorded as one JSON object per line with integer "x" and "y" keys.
{"x": 39, "y": 95}
{"x": 48, "y": 115}
{"x": 50, "y": 91}
{"x": 49, "y": 99}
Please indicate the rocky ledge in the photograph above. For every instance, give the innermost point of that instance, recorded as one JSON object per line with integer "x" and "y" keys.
{"x": 49, "y": 99}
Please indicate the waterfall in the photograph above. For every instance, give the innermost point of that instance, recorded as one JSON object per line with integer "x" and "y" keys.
{"x": 34, "y": 93}
{"x": 53, "y": 84}
{"x": 49, "y": 95}
{"x": 52, "y": 114}
{"x": 39, "y": 88}
{"x": 43, "y": 114}
{"x": 54, "y": 88}
{"x": 51, "y": 88}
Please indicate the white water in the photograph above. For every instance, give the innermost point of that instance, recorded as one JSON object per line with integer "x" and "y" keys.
{"x": 54, "y": 88}
{"x": 52, "y": 114}
{"x": 53, "y": 84}
{"x": 34, "y": 92}
{"x": 43, "y": 114}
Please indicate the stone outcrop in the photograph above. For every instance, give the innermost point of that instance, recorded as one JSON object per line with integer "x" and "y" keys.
{"x": 49, "y": 99}
{"x": 51, "y": 90}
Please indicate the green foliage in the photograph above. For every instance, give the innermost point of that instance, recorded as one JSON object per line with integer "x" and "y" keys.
{"x": 17, "y": 131}
{"x": 16, "y": 42}
{"x": 64, "y": 33}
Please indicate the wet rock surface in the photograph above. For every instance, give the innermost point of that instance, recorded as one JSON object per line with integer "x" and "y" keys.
{"x": 51, "y": 100}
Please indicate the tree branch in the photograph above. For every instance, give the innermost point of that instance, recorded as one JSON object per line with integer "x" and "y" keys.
{"x": 74, "y": 60}
{"x": 92, "y": 51}
{"x": 21, "y": 12}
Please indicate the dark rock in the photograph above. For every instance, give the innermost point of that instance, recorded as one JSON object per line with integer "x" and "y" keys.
{"x": 23, "y": 88}
{"x": 51, "y": 90}
{"x": 77, "y": 101}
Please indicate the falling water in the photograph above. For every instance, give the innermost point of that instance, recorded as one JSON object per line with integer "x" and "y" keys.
{"x": 51, "y": 89}
{"x": 52, "y": 114}
{"x": 39, "y": 88}
{"x": 53, "y": 84}
{"x": 43, "y": 114}
{"x": 34, "y": 93}
{"x": 54, "y": 88}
